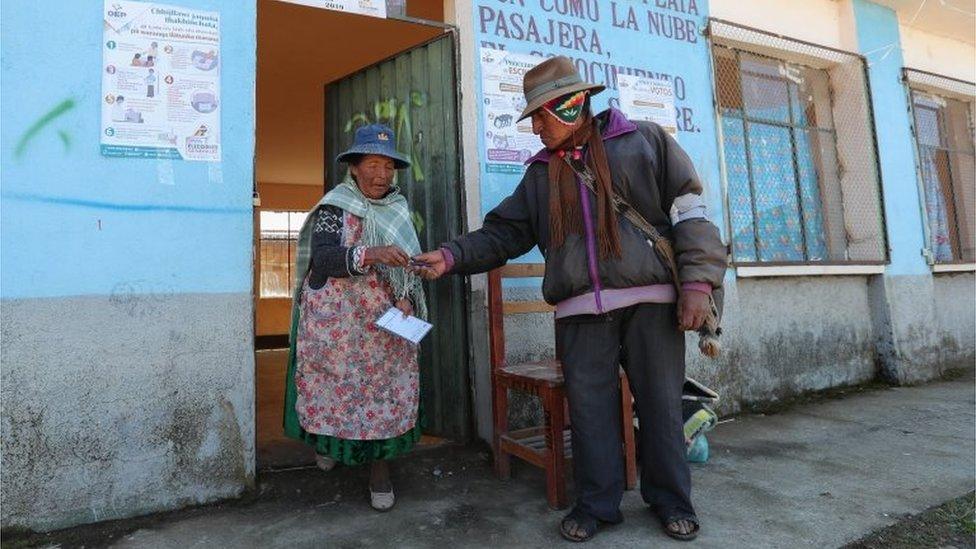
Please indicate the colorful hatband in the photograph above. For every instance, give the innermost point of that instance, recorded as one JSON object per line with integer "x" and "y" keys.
{"x": 567, "y": 108}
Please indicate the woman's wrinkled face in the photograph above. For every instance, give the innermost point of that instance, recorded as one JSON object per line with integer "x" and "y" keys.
{"x": 373, "y": 175}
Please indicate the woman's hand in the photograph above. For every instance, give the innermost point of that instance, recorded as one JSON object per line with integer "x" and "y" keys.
{"x": 405, "y": 306}
{"x": 392, "y": 256}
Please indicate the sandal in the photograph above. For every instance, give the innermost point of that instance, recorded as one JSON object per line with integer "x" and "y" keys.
{"x": 578, "y": 518}
{"x": 382, "y": 501}
{"x": 325, "y": 463}
{"x": 677, "y": 534}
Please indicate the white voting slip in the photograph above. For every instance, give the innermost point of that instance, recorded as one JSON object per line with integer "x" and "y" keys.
{"x": 410, "y": 328}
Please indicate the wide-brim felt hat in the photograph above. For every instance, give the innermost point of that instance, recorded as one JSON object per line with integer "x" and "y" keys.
{"x": 550, "y": 79}
{"x": 375, "y": 139}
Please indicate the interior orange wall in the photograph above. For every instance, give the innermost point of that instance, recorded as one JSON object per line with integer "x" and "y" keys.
{"x": 300, "y": 50}
{"x": 274, "y": 316}
{"x": 283, "y": 196}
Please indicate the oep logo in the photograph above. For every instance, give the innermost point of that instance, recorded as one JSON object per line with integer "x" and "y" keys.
{"x": 117, "y": 12}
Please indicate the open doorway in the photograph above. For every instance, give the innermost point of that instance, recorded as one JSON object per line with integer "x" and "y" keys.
{"x": 321, "y": 73}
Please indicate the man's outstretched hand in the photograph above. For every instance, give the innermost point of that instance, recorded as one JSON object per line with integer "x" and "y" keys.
{"x": 430, "y": 265}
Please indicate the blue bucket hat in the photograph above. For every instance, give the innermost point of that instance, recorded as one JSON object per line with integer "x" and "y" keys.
{"x": 375, "y": 139}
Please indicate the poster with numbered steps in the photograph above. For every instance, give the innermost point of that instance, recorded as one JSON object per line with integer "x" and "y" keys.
{"x": 160, "y": 82}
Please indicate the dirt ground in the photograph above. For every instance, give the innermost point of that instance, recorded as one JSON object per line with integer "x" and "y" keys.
{"x": 948, "y": 525}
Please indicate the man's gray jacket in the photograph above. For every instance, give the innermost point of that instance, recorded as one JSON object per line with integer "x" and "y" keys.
{"x": 651, "y": 171}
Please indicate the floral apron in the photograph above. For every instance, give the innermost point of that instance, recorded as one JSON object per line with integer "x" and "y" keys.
{"x": 353, "y": 380}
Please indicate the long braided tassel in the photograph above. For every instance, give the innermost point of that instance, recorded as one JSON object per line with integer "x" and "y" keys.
{"x": 708, "y": 335}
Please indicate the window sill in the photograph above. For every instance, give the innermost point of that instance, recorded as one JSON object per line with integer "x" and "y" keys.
{"x": 808, "y": 270}
{"x": 954, "y": 267}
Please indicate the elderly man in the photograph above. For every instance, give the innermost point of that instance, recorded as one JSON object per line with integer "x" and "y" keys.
{"x": 616, "y": 301}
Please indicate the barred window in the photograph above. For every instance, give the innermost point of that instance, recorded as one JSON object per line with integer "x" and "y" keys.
{"x": 798, "y": 150}
{"x": 944, "y": 141}
{"x": 278, "y": 241}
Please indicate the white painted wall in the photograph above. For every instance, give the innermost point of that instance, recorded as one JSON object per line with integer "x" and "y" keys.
{"x": 937, "y": 54}
{"x": 816, "y": 21}
{"x": 826, "y": 22}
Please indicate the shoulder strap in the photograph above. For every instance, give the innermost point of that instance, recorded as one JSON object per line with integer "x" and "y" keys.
{"x": 708, "y": 342}
{"x": 619, "y": 203}
{"x": 661, "y": 244}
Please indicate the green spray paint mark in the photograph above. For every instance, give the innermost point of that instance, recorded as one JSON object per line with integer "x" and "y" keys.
{"x": 65, "y": 138}
{"x": 418, "y": 222}
{"x": 43, "y": 121}
{"x": 396, "y": 114}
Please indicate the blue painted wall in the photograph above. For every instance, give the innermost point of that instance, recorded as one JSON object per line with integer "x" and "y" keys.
{"x": 76, "y": 223}
{"x": 617, "y": 36}
{"x": 879, "y": 41}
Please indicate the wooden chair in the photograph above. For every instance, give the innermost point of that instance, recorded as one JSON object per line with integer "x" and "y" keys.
{"x": 547, "y": 446}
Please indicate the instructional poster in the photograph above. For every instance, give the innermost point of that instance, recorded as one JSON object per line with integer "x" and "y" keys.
{"x": 509, "y": 143}
{"x": 648, "y": 99}
{"x": 160, "y": 82}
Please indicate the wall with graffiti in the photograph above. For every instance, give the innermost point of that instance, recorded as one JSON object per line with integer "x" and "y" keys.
{"x": 127, "y": 368}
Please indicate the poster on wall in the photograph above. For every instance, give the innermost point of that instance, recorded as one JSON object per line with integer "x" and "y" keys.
{"x": 508, "y": 144}
{"x": 648, "y": 99}
{"x": 160, "y": 82}
{"x": 372, "y": 8}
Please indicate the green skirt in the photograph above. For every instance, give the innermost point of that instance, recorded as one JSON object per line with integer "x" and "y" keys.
{"x": 358, "y": 452}
{"x": 347, "y": 452}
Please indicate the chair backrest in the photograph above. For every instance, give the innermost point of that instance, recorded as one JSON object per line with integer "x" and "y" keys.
{"x": 498, "y": 307}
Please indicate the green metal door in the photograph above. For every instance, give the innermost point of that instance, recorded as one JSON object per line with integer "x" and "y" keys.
{"x": 415, "y": 94}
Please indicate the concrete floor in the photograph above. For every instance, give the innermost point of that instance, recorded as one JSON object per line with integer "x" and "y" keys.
{"x": 817, "y": 475}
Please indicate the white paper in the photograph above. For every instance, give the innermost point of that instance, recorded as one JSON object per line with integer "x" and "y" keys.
{"x": 410, "y": 328}
{"x": 648, "y": 99}
{"x": 508, "y": 143}
{"x": 372, "y": 8}
{"x": 164, "y": 63}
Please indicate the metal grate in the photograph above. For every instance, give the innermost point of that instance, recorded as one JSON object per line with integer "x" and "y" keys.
{"x": 923, "y": 80}
{"x": 799, "y": 151}
{"x": 946, "y": 158}
{"x": 278, "y": 246}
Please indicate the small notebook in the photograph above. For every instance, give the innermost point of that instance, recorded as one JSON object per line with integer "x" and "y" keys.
{"x": 410, "y": 328}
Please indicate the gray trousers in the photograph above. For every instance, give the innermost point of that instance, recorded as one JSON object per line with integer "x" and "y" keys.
{"x": 645, "y": 340}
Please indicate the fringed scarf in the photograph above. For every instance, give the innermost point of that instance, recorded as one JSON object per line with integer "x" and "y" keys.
{"x": 565, "y": 212}
{"x": 386, "y": 221}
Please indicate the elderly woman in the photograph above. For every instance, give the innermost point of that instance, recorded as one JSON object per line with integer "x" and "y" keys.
{"x": 352, "y": 391}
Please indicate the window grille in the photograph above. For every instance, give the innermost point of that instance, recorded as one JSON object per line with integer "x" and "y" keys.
{"x": 279, "y": 242}
{"x": 943, "y": 127}
{"x": 799, "y": 150}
